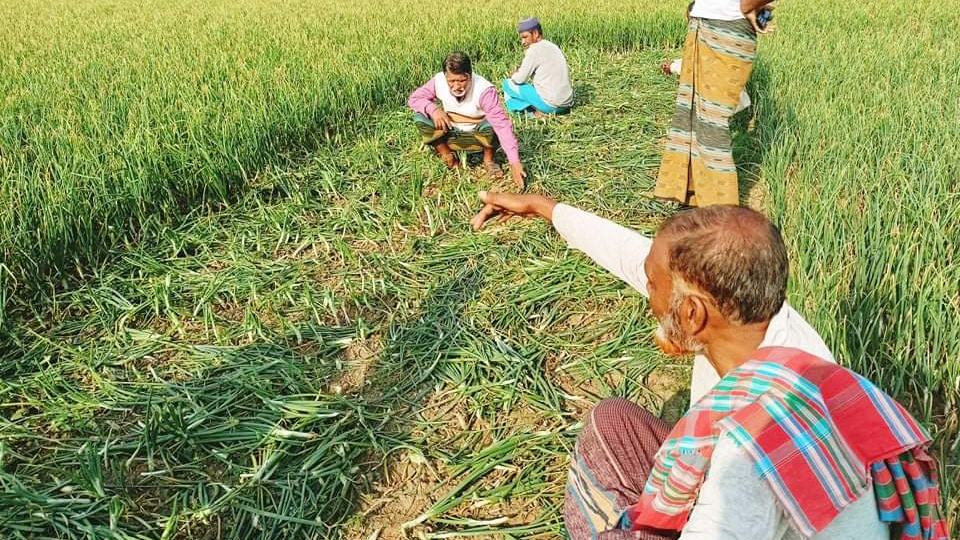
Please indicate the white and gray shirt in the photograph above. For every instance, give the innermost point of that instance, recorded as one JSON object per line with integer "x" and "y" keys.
{"x": 545, "y": 63}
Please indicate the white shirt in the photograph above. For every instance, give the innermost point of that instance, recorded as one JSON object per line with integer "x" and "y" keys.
{"x": 544, "y": 62}
{"x": 734, "y": 503}
{"x": 720, "y": 10}
{"x": 469, "y": 105}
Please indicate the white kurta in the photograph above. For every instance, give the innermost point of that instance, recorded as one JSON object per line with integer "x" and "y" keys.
{"x": 469, "y": 105}
{"x": 736, "y": 504}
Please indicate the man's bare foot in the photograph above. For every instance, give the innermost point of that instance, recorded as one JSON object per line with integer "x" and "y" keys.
{"x": 492, "y": 169}
{"x": 539, "y": 114}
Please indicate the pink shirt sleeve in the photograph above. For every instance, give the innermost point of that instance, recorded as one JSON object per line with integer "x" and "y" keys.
{"x": 421, "y": 100}
{"x": 502, "y": 126}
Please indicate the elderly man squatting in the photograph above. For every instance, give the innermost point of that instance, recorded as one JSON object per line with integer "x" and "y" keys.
{"x": 469, "y": 117}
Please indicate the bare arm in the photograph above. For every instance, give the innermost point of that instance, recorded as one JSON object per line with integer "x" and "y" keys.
{"x": 750, "y": 10}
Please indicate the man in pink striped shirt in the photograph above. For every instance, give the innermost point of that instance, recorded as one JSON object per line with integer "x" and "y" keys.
{"x": 469, "y": 117}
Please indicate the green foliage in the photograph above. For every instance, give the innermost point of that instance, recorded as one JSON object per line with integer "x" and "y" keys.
{"x": 864, "y": 182}
{"x": 117, "y": 118}
{"x": 237, "y": 296}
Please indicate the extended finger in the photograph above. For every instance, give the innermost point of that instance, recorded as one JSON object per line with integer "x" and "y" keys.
{"x": 482, "y": 216}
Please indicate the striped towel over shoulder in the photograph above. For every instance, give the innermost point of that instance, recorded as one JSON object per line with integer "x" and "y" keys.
{"x": 819, "y": 435}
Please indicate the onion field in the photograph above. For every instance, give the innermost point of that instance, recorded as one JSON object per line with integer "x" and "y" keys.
{"x": 239, "y": 300}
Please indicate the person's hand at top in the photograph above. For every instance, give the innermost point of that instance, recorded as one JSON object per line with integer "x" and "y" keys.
{"x": 751, "y": 9}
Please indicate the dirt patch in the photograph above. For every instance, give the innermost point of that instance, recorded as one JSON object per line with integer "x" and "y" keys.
{"x": 758, "y": 195}
{"x": 412, "y": 482}
{"x": 403, "y": 492}
{"x": 671, "y": 384}
{"x": 361, "y": 356}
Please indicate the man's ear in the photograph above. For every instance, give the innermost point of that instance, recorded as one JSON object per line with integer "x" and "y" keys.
{"x": 693, "y": 314}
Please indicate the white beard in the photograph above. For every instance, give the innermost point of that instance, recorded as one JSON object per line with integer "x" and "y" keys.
{"x": 669, "y": 336}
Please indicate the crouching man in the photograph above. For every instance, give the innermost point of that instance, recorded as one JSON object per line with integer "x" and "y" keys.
{"x": 469, "y": 117}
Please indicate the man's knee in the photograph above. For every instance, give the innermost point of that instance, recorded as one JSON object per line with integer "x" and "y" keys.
{"x": 429, "y": 134}
{"x": 485, "y": 136}
{"x": 511, "y": 89}
{"x": 422, "y": 120}
{"x": 615, "y": 407}
{"x": 614, "y": 415}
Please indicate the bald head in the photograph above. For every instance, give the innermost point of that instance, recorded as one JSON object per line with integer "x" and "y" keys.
{"x": 734, "y": 254}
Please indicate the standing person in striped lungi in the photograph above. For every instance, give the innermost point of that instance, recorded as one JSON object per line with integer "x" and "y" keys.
{"x": 697, "y": 168}
{"x": 786, "y": 446}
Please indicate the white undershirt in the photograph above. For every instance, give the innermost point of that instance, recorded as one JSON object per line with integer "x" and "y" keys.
{"x": 720, "y": 10}
{"x": 734, "y": 502}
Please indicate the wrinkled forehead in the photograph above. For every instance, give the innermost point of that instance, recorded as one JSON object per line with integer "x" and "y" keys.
{"x": 457, "y": 77}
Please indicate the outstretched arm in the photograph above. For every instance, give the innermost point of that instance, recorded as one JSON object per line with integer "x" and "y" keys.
{"x": 618, "y": 249}
{"x": 503, "y": 127}
{"x": 501, "y": 123}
